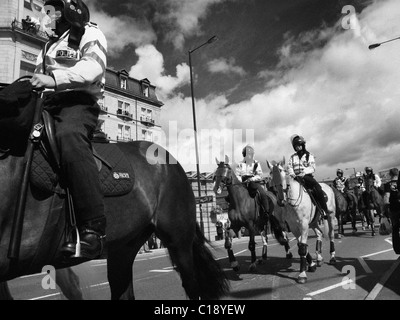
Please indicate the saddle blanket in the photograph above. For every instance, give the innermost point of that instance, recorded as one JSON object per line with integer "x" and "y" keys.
{"x": 116, "y": 174}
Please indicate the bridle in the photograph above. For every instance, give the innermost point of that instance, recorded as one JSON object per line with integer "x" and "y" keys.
{"x": 227, "y": 174}
{"x": 291, "y": 201}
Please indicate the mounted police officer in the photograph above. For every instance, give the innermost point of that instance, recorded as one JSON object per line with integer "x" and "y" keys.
{"x": 369, "y": 173}
{"x": 72, "y": 66}
{"x": 342, "y": 184}
{"x": 249, "y": 170}
{"x": 302, "y": 165}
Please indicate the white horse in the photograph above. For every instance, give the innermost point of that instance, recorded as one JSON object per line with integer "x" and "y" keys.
{"x": 301, "y": 214}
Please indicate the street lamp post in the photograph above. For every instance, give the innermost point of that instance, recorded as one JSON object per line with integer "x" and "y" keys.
{"x": 212, "y": 39}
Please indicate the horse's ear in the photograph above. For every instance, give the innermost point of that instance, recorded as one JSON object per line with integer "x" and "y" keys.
{"x": 216, "y": 160}
{"x": 283, "y": 160}
{"x": 269, "y": 165}
{"x": 226, "y": 159}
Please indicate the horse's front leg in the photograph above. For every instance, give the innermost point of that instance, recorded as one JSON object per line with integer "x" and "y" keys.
{"x": 372, "y": 221}
{"x": 264, "y": 254}
{"x": 252, "y": 248}
{"x": 339, "y": 218}
{"x": 289, "y": 255}
{"x": 318, "y": 250}
{"x": 303, "y": 253}
{"x": 331, "y": 234}
{"x": 353, "y": 218}
{"x": 228, "y": 246}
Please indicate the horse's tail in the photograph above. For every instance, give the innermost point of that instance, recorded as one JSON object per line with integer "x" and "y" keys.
{"x": 211, "y": 279}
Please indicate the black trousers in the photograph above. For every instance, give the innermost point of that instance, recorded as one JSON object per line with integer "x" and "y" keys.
{"x": 311, "y": 183}
{"x": 394, "y": 215}
{"x": 75, "y": 115}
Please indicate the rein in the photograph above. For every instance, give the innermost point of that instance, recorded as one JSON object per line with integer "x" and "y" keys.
{"x": 299, "y": 198}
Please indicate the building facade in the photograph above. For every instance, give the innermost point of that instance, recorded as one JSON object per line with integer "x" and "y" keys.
{"x": 130, "y": 108}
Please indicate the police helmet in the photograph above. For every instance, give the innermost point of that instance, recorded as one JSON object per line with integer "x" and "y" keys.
{"x": 368, "y": 169}
{"x": 245, "y": 148}
{"x": 75, "y": 11}
{"x": 297, "y": 140}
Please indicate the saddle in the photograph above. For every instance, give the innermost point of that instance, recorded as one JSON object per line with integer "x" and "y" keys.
{"x": 115, "y": 172}
{"x": 313, "y": 196}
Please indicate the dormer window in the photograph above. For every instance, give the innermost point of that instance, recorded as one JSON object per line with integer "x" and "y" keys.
{"x": 123, "y": 83}
{"x": 123, "y": 79}
{"x": 145, "y": 83}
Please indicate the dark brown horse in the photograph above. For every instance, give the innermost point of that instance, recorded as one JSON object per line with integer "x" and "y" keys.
{"x": 243, "y": 212}
{"x": 373, "y": 201}
{"x": 345, "y": 208}
{"x": 161, "y": 201}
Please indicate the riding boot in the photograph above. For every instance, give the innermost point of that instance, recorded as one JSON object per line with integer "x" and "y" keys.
{"x": 92, "y": 235}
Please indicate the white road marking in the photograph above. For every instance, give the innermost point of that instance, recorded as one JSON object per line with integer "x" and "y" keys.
{"x": 379, "y": 286}
{"x": 376, "y": 253}
{"x": 364, "y": 265}
{"x": 47, "y": 296}
{"x": 329, "y": 288}
{"x": 58, "y": 293}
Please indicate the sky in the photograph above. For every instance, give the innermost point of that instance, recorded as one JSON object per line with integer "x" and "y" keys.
{"x": 278, "y": 68}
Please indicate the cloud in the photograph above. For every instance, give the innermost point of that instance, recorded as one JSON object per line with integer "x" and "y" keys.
{"x": 342, "y": 97}
{"x": 225, "y": 66}
{"x": 150, "y": 65}
{"x": 182, "y": 18}
{"x": 122, "y": 30}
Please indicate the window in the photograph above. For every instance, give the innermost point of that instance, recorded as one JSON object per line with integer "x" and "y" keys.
{"x": 119, "y": 135}
{"x": 147, "y": 135}
{"x": 146, "y": 90}
{"x": 123, "y": 83}
{"x": 120, "y": 106}
{"x": 127, "y": 134}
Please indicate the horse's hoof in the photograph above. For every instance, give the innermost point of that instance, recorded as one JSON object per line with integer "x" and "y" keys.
{"x": 312, "y": 268}
{"x": 236, "y": 269}
{"x": 289, "y": 255}
{"x": 252, "y": 267}
{"x": 320, "y": 263}
{"x": 332, "y": 261}
{"x": 260, "y": 261}
{"x": 339, "y": 236}
{"x": 301, "y": 280}
{"x": 363, "y": 228}
{"x": 264, "y": 257}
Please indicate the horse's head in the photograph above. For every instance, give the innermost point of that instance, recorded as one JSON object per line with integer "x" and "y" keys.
{"x": 368, "y": 183}
{"x": 223, "y": 174}
{"x": 278, "y": 178}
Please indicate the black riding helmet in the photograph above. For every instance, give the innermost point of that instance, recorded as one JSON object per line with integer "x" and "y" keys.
{"x": 245, "y": 148}
{"x": 75, "y": 11}
{"x": 369, "y": 170}
{"x": 297, "y": 140}
{"x": 339, "y": 171}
